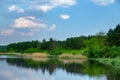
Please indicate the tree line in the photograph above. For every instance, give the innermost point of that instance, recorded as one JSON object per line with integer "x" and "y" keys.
{"x": 99, "y": 45}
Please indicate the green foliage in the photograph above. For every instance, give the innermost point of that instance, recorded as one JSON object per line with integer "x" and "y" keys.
{"x": 75, "y": 43}
{"x": 99, "y": 45}
{"x": 57, "y": 52}
{"x": 113, "y": 37}
{"x": 94, "y": 46}
{"x": 113, "y": 52}
{"x": 31, "y": 50}
{"x": 3, "y": 48}
{"x": 22, "y": 46}
{"x": 44, "y": 45}
{"x": 52, "y": 44}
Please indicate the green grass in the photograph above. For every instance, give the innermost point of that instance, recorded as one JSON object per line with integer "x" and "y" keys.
{"x": 63, "y": 51}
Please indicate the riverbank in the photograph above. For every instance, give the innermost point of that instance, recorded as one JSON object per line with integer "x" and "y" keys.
{"x": 45, "y": 55}
{"x": 108, "y": 61}
{"x": 66, "y": 58}
{"x": 6, "y": 53}
{"x": 72, "y": 56}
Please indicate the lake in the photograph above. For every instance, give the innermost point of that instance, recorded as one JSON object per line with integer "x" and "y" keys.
{"x": 17, "y": 68}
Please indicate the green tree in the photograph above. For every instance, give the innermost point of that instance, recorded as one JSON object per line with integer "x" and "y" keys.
{"x": 52, "y": 44}
{"x": 75, "y": 43}
{"x": 113, "y": 37}
{"x": 44, "y": 45}
{"x": 95, "y": 46}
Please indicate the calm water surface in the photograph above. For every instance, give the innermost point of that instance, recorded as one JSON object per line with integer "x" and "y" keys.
{"x": 14, "y": 68}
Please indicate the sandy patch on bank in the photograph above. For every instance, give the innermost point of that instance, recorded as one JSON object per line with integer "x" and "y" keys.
{"x": 38, "y": 55}
{"x": 71, "y": 56}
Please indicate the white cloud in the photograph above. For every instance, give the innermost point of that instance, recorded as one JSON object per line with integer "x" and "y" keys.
{"x": 44, "y": 8}
{"x": 7, "y": 32}
{"x": 103, "y": 2}
{"x": 53, "y": 27}
{"x": 29, "y": 25}
{"x": 65, "y": 16}
{"x": 55, "y": 3}
{"x": 63, "y": 2}
{"x": 15, "y": 8}
{"x": 31, "y": 17}
{"x": 28, "y": 22}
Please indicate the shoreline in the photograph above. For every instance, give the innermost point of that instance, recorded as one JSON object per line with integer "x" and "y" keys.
{"x": 45, "y": 55}
{"x": 65, "y": 58}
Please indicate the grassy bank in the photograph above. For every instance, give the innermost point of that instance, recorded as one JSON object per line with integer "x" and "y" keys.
{"x": 72, "y": 56}
{"x": 7, "y": 53}
{"x": 108, "y": 61}
{"x": 39, "y": 55}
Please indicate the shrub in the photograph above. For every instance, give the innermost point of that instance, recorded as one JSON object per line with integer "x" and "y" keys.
{"x": 31, "y": 50}
{"x": 113, "y": 52}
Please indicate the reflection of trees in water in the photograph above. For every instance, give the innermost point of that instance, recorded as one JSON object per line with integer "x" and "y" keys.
{"x": 32, "y": 64}
{"x": 50, "y": 65}
{"x": 114, "y": 72}
{"x": 93, "y": 68}
{"x": 2, "y": 59}
{"x": 90, "y": 68}
{"x": 113, "y": 76}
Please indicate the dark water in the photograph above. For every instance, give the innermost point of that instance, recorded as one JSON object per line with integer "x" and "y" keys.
{"x": 14, "y": 68}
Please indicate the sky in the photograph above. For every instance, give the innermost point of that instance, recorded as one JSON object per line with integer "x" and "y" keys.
{"x": 26, "y": 20}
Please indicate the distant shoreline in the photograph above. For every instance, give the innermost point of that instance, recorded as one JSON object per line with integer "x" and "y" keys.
{"x": 45, "y": 55}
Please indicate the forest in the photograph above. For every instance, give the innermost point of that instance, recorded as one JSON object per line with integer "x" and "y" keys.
{"x": 100, "y": 45}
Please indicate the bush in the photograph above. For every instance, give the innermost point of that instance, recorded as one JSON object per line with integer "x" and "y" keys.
{"x": 31, "y": 50}
{"x": 95, "y": 46}
{"x": 113, "y": 52}
{"x": 56, "y": 52}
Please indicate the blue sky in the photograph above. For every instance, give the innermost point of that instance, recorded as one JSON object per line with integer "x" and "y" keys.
{"x": 27, "y": 20}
